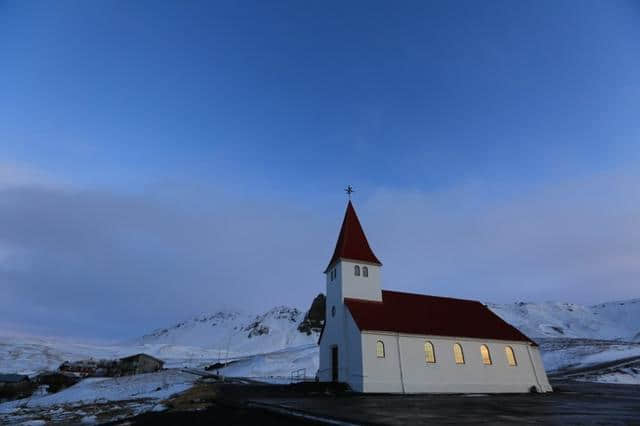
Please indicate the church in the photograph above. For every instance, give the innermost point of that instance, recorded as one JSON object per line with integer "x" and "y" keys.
{"x": 386, "y": 341}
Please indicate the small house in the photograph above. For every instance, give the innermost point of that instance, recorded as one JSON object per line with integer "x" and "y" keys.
{"x": 140, "y": 363}
{"x": 14, "y": 386}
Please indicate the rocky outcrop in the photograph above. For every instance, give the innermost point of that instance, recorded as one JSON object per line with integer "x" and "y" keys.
{"x": 314, "y": 318}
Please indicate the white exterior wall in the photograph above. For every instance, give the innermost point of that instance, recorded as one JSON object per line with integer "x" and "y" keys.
{"x": 357, "y": 287}
{"x": 404, "y": 370}
{"x": 340, "y": 330}
{"x": 539, "y": 371}
{"x": 349, "y": 342}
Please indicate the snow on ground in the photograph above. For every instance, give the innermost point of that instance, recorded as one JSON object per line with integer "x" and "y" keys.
{"x": 577, "y": 353}
{"x": 277, "y": 366}
{"x": 159, "y": 385}
{"x": 625, "y": 376}
{"x": 143, "y": 390}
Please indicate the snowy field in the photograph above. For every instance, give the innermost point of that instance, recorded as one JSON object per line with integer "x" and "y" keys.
{"x": 578, "y": 353}
{"x": 91, "y": 397}
{"x": 626, "y": 376}
{"x": 277, "y": 366}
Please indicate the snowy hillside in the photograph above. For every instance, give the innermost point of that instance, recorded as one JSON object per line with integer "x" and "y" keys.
{"x": 194, "y": 343}
{"x": 237, "y": 334}
{"x": 607, "y": 321}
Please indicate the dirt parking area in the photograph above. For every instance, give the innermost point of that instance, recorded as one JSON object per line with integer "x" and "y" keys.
{"x": 571, "y": 403}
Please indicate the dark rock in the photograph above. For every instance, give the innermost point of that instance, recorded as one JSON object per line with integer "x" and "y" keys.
{"x": 218, "y": 365}
{"x": 314, "y": 318}
{"x": 258, "y": 330}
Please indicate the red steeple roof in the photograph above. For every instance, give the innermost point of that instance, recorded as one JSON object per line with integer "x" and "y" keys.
{"x": 352, "y": 243}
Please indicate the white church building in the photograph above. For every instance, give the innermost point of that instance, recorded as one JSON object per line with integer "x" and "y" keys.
{"x": 385, "y": 341}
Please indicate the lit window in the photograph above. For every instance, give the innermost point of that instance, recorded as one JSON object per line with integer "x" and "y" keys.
{"x": 429, "y": 353}
{"x": 458, "y": 354}
{"x": 486, "y": 357}
{"x": 380, "y": 349}
{"x": 511, "y": 357}
{"x": 356, "y": 270}
{"x": 365, "y": 271}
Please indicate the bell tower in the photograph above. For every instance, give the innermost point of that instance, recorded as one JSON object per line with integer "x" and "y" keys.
{"x": 354, "y": 270}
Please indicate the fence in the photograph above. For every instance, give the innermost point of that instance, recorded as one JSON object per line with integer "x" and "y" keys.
{"x": 299, "y": 375}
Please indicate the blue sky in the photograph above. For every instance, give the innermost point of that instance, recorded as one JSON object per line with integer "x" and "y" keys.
{"x": 449, "y": 116}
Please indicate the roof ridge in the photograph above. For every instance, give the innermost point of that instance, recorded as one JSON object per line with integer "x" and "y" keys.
{"x": 430, "y": 295}
{"x": 363, "y": 300}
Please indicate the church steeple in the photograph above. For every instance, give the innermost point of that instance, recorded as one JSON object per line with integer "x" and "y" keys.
{"x": 352, "y": 243}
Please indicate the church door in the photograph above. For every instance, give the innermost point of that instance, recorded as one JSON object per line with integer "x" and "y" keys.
{"x": 334, "y": 363}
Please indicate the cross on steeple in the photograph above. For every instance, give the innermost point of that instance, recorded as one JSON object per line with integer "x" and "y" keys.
{"x": 352, "y": 244}
{"x": 349, "y": 189}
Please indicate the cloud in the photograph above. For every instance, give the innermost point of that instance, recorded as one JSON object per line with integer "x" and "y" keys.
{"x": 577, "y": 240}
{"x": 92, "y": 262}
{"x": 13, "y": 175}
{"x": 106, "y": 264}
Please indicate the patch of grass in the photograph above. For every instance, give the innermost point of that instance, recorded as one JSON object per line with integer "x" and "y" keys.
{"x": 198, "y": 397}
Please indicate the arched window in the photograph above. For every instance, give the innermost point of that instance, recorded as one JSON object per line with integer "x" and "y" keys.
{"x": 511, "y": 357}
{"x": 486, "y": 356}
{"x": 429, "y": 353}
{"x": 365, "y": 271}
{"x": 356, "y": 271}
{"x": 380, "y": 349}
{"x": 458, "y": 355}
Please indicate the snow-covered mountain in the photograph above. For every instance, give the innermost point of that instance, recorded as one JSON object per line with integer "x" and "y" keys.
{"x": 607, "y": 321}
{"x": 238, "y": 334}
{"x": 194, "y": 343}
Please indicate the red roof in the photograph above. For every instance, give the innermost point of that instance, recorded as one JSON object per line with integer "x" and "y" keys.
{"x": 352, "y": 243}
{"x": 431, "y": 315}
